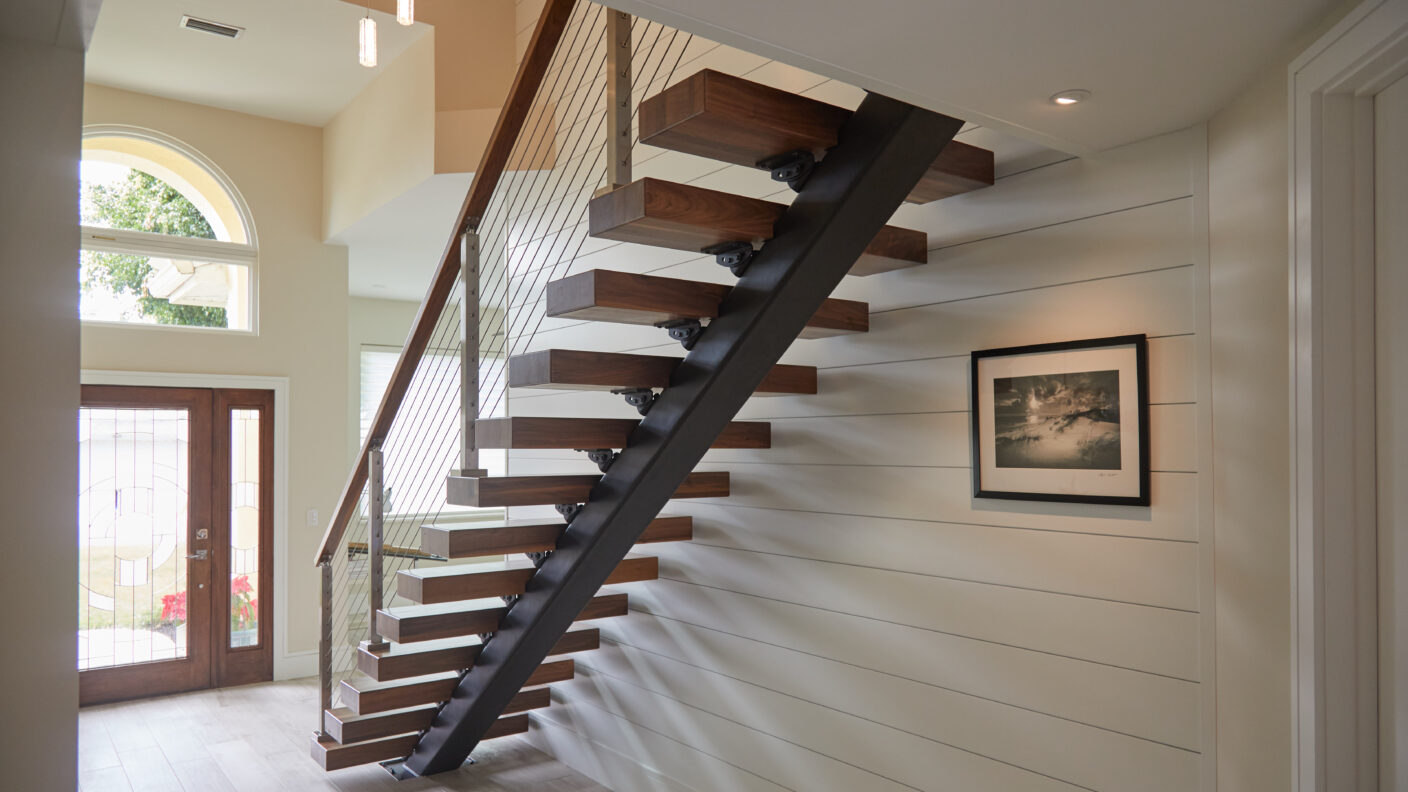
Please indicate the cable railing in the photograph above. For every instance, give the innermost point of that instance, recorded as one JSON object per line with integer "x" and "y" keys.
{"x": 565, "y": 133}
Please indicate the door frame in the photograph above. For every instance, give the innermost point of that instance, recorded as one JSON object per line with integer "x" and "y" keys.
{"x": 287, "y": 665}
{"x": 242, "y": 665}
{"x": 114, "y": 683}
{"x": 1334, "y": 532}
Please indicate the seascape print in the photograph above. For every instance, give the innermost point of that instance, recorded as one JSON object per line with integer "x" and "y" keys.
{"x": 1067, "y": 421}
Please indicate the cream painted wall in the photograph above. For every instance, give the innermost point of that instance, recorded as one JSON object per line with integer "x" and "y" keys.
{"x": 431, "y": 112}
{"x": 302, "y": 323}
{"x": 1249, "y": 255}
{"x": 41, "y": 89}
{"x": 383, "y": 143}
{"x": 1248, "y": 244}
{"x": 370, "y": 321}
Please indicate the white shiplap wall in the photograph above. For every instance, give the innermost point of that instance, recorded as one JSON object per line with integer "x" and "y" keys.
{"x": 850, "y": 618}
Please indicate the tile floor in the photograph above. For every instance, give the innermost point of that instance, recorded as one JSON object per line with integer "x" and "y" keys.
{"x": 255, "y": 739}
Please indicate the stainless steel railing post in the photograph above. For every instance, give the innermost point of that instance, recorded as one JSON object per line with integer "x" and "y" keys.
{"x": 325, "y": 648}
{"x": 618, "y": 97}
{"x": 469, "y": 352}
{"x": 376, "y": 492}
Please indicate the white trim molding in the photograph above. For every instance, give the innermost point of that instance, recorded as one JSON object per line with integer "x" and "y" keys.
{"x": 287, "y": 665}
{"x": 1334, "y": 582}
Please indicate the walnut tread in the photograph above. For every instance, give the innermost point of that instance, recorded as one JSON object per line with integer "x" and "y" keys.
{"x": 453, "y": 654}
{"x": 429, "y": 622}
{"x": 351, "y": 735}
{"x": 588, "y": 433}
{"x": 454, "y": 583}
{"x": 684, "y": 217}
{"x": 487, "y": 491}
{"x": 627, "y": 298}
{"x": 734, "y": 120}
{"x": 531, "y": 536}
{"x": 570, "y": 369}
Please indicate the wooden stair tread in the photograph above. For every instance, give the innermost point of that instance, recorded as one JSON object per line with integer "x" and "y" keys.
{"x": 368, "y": 696}
{"x": 734, "y": 120}
{"x": 684, "y": 217}
{"x": 466, "y": 582}
{"x": 531, "y": 536}
{"x": 364, "y": 696}
{"x": 570, "y": 369}
{"x": 450, "y": 654}
{"x": 331, "y": 755}
{"x": 490, "y": 491}
{"x": 588, "y": 433}
{"x": 627, "y": 298}
{"x": 412, "y": 623}
{"x": 346, "y": 726}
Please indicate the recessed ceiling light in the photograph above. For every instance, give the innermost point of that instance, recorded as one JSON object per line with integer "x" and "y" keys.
{"x": 1067, "y": 98}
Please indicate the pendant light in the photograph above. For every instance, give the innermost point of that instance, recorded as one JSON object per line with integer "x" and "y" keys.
{"x": 406, "y": 12}
{"x": 366, "y": 41}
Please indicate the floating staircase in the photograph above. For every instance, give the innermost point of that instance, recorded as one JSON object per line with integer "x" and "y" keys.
{"x": 483, "y": 641}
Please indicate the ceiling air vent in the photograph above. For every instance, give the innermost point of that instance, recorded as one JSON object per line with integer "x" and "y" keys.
{"x": 214, "y": 28}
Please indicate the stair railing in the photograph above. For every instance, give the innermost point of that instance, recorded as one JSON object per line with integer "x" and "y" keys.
{"x": 565, "y": 132}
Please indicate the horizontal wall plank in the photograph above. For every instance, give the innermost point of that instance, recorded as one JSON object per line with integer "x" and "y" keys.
{"x": 657, "y": 751}
{"x": 1142, "y": 173}
{"x": 1137, "y": 637}
{"x": 577, "y": 748}
{"x": 775, "y": 691}
{"x": 1085, "y": 565}
{"x": 668, "y": 618}
{"x": 931, "y": 440}
{"x": 1155, "y": 303}
{"x": 910, "y": 386}
{"x": 909, "y": 759}
{"x": 941, "y": 494}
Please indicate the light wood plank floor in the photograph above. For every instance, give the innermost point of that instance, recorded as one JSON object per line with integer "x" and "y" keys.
{"x": 255, "y": 739}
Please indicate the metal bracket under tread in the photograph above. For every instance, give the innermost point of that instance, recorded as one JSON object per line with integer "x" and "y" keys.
{"x": 569, "y": 511}
{"x": 640, "y": 398}
{"x": 601, "y": 457}
{"x": 734, "y": 255}
{"x": 794, "y": 167}
{"x": 509, "y": 599}
{"x": 685, "y": 331}
{"x": 540, "y": 558}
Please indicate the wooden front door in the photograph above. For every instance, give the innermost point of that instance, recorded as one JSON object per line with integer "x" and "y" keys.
{"x": 175, "y": 540}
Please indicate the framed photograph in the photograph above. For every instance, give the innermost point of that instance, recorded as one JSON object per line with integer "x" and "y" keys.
{"x": 1062, "y": 422}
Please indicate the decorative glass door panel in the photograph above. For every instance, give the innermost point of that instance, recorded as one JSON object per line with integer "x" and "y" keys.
{"x": 244, "y": 506}
{"x": 244, "y": 528}
{"x": 133, "y": 478}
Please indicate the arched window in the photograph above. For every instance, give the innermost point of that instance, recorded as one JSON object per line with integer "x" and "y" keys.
{"x": 167, "y": 240}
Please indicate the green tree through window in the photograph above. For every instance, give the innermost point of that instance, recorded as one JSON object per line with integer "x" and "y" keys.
{"x": 141, "y": 202}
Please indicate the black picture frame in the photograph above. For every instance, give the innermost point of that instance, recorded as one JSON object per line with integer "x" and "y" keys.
{"x": 1134, "y": 485}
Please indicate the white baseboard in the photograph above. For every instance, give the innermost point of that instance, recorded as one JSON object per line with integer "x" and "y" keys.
{"x": 296, "y": 665}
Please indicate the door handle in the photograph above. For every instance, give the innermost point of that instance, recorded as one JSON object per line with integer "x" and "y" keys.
{"x": 199, "y": 555}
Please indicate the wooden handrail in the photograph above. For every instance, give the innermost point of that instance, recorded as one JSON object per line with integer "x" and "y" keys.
{"x": 551, "y": 24}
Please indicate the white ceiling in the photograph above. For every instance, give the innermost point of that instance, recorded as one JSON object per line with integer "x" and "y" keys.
{"x": 297, "y": 60}
{"x": 1154, "y": 65}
